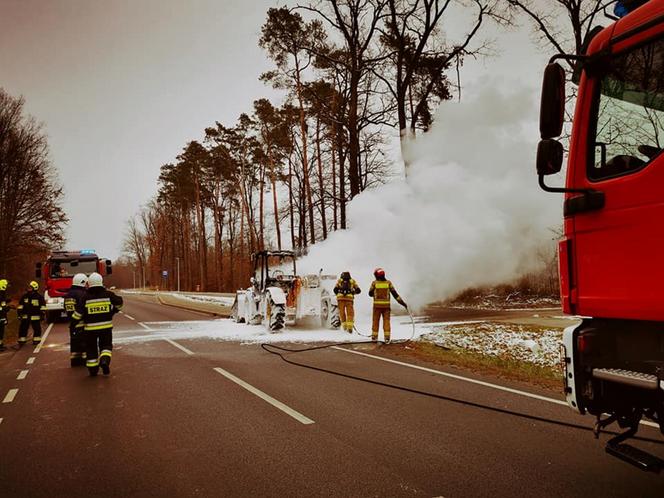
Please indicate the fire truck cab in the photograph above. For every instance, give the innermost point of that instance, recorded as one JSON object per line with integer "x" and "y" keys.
{"x": 611, "y": 259}
{"x": 58, "y": 271}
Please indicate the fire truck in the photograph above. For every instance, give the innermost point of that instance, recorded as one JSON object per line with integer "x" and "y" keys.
{"x": 611, "y": 259}
{"x": 58, "y": 271}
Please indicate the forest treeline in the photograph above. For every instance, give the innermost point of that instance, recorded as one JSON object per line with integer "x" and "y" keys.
{"x": 32, "y": 220}
{"x": 354, "y": 74}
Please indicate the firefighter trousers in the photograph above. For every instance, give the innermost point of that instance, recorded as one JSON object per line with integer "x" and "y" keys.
{"x": 98, "y": 344}
{"x": 23, "y": 330}
{"x": 3, "y": 322}
{"x": 377, "y": 314}
{"x": 346, "y": 314}
{"x": 76, "y": 340}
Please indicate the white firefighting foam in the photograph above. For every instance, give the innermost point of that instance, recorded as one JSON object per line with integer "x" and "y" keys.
{"x": 469, "y": 214}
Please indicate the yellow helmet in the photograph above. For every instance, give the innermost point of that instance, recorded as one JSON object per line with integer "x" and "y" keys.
{"x": 3, "y": 284}
{"x": 34, "y": 285}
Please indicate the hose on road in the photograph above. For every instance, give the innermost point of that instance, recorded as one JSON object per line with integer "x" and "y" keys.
{"x": 281, "y": 352}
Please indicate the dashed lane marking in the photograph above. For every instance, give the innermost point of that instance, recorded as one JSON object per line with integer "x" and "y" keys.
{"x": 11, "y": 394}
{"x": 129, "y": 316}
{"x": 144, "y": 326}
{"x": 43, "y": 341}
{"x": 266, "y": 397}
{"x": 22, "y": 374}
{"x": 31, "y": 360}
{"x": 180, "y": 347}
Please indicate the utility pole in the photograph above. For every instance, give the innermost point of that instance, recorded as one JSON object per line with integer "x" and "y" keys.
{"x": 177, "y": 259}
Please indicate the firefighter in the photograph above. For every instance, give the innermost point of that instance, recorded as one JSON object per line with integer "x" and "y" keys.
{"x": 4, "y": 308}
{"x": 31, "y": 310}
{"x": 96, "y": 309}
{"x": 76, "y": 337}
{"x": 380, "y": 290}
{"x": 345, "y": 290}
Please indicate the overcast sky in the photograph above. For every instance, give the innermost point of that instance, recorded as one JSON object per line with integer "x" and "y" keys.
{"x": 122, "y": 85}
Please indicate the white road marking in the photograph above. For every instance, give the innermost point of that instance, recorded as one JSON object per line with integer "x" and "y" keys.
{"x": 454, "y": 376}
{"x": 181, "y": 348}
{"x": 472, "y": 381}
{"x": 11, "y": 394}
{"x": 39, "y": 346}
{"x": 129, "y": 316}
{"x": 22, "y": 374}
{"x": 1, "y": 420}
{"x": 31, "y": 360}
{"x": 144, "y": 326}
{"x": 265, "y": 397}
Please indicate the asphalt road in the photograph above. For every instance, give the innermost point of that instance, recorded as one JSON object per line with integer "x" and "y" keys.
{"x": 200, "y": 417}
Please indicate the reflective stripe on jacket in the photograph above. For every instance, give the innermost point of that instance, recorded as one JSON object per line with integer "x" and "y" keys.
{"x": 32, "y": 305}
{"x": 380, "y": 291}
{"x": 96, "y": 308}
{"x": 346, "y": 289}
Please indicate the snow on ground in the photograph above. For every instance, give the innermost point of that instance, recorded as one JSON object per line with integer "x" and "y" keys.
{"x": 536, "y": 345}
{"x": 528, "y": 343}
{"x": 225, "y": 329}
{"x": 205, "y": 298}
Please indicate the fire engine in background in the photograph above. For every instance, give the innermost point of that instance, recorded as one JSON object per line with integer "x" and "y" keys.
{"x": 612, "y": 255}
{"x": 58, "y": 271}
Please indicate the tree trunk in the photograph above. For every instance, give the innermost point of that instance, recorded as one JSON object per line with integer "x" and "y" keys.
{"x": 305, "y": 159}
{"x": 321, "y": 184}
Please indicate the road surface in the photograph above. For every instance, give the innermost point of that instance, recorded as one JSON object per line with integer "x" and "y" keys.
{"x": 202, "y": 417}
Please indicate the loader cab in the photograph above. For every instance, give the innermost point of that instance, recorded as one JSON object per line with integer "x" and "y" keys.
{"x": 274, "y": 269}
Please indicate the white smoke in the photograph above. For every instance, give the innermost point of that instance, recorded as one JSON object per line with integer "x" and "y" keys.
{"x": 470, "y": 212}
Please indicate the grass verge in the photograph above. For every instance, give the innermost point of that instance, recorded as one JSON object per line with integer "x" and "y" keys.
{"x": 546, "y": 377}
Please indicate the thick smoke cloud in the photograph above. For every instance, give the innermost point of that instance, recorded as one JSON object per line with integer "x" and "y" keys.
{"x": 470, "y": 212}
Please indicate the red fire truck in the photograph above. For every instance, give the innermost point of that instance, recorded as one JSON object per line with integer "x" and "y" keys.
{"x": 612, "y": 254}
{"x": 57, "y": 273}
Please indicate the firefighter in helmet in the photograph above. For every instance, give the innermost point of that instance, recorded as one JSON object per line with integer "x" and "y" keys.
{"x": 96, "y": 309}
{"x": 345, "y": 290}
{"x": 380, "y": 291}
{"x": 31, "y": 308}
{"x": 4, "y": 308}
{"x": 76, "y": 337}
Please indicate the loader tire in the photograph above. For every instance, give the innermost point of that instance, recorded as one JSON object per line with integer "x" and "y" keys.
{"x": 276, "y": 316}
{"x": 329, "y": 316}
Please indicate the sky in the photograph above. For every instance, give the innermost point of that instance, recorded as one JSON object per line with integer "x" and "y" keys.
{"x": 122, "y": 85}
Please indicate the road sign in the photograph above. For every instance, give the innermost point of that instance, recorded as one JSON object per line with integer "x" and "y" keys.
{"x": 164, "y": 274}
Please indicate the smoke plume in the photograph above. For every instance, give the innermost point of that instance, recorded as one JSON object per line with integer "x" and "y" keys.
{"x": 470, "y": 212}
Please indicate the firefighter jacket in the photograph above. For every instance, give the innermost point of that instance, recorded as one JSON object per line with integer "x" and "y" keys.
{"x": 31, "y": 306}
{"x": 380, "y": 290}
{"x": 4, "y": 306}
{"x": 96, "y": 308}
{"x": 346, "y": 289}
{"x": 72, "y": 299}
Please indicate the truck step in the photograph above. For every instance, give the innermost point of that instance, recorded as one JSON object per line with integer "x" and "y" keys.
{"x": 638, "y": 458}
{"x": 628, "y": 377}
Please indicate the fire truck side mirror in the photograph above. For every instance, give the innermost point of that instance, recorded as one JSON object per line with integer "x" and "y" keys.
{"x": 38, "y": 268}
{"x": 552, "y": 106}
{"x": 109, "y": 267}
{"x": 549, "y": 157}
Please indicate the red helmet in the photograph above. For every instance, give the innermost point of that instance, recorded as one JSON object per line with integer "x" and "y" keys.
{"x": 379, "y": 272}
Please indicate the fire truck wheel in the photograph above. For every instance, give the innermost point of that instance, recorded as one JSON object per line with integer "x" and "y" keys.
{"x": 52, "y": 316}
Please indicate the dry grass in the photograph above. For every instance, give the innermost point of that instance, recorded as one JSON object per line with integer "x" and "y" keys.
{"x": 494, "y": 366}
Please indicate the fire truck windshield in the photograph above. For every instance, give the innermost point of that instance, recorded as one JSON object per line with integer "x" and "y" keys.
{"x": 629, "y": 126}
{"x": 65, "y": 269}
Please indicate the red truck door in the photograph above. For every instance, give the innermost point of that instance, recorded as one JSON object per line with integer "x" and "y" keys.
{"x": 618, "y": 250}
